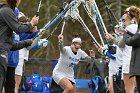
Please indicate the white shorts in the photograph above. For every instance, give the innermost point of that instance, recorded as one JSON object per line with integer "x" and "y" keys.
{"x": 125, "y": 68}
{"x": 58, "y": 77}
{"x": 112, "y": 72}
{"x": 19, "y": 68}
{"x": 113, "y": 69}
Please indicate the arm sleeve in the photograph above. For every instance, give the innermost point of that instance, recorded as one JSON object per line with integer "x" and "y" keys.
{"x": 115, "y": 41}
{"x": 121, "y": 43}
{"x": 9, "y": 17}
{"x": 132, "y": 40}
{"x": 90, "y": 59}
{"x": 61, "y": 47}
{"x": 25, "y": 36}
{"x": 83, "y": 54}
{"x": 21, "y": 44}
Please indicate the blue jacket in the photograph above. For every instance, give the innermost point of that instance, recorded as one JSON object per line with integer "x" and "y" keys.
{"x": 13, "y": 56}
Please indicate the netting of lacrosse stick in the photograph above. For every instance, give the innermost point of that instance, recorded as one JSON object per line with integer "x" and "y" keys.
{"x": 71, "y": 9}
{"x": 74, "y": 14}
{"x": 51, "y": 22}
{"x": 93, "y": 12}
{"x": 88, "y": 8}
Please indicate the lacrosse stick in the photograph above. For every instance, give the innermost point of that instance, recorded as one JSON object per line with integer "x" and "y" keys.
{"x": 99, "y": 19}
{"x": 62, "y": 30}
{"x": 74, "y": 13}
{"x": 92, "y": 16}
{"x": 94, "y": 3}
{"x": 47, "y": 26}
{"x": 37, "y": 13}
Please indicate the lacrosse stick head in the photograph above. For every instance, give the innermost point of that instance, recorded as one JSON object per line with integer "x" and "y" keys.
{"x": 89, "y": 9}
{"x": 73, "y": 11}
{"x": 82, "y": 1}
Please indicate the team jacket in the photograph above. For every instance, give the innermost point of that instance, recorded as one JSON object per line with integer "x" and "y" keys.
{"x": 8, "y": 24}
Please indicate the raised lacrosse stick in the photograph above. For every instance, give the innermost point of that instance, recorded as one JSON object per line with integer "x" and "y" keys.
{"x": 37, "y": 13}
{"x": 88, "y": 7}
{"x": 74, "y": 13}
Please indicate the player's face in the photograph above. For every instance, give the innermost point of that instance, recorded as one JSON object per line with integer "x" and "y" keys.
{"x": 126, "y": 20}
{"x": 76, "y": 46}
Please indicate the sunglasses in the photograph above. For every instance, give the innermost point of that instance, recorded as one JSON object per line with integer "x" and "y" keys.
{"x": 122, "y": 20}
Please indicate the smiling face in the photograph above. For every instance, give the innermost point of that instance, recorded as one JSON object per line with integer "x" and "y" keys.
{"x": 75, "y": 46}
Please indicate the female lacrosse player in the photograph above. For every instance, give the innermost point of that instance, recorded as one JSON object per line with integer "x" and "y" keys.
{"x": 63, "y": 73}
{"x": 129, "y": 23}
{"x": 131, "y": 20}
{"x": 114, "y": 64}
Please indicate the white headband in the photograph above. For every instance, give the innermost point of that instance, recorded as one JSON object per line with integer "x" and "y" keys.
{"x": 77, "y": 39}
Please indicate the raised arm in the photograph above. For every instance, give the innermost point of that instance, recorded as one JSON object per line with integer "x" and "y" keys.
{"x": 116, "y": 40}
{"x": 9, "y": 17}
{"x": 25, "y": 36}
{"x": 60, "y": 44}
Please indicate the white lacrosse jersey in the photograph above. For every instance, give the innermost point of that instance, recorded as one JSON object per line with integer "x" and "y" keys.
{"x": 67, "y": 61}
{"x": 115, "y": 64}
{"x": 128, "y": 49}
{"x": 132, "y": 28}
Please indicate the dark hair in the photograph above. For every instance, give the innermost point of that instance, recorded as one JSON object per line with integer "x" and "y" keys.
{"x": 75, "y": 34}
{"x": 12, "y": 3}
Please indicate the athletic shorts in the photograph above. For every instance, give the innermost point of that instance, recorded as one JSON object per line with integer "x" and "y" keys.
{"x": 19, "y": 68}
{"x": 125, "y": 68}
{"x": 113, "y": 70}
{"x": 58, "y": 77}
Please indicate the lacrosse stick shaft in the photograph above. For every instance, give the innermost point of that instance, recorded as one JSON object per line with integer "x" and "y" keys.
{"x": 102, "y": 41}
{"x": 62, "y": 30}
{"x": 55, "y": 29}
{"x": 101, "y": 26}
{"x": 93, "y": 18}
{"x": 94, "y": 3}
{"x": 59, "y": 16}
{"x": 109, "y": 10}
{"x": 50, "y": 23}
{"x": 37, "y": 13}
{"x": 111, "y": 15}
{"x": 54, "y": 19}
{"x": 87, "y": 29}
{"x": 99, "y": 19}
{"x": 51, "y": 20}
